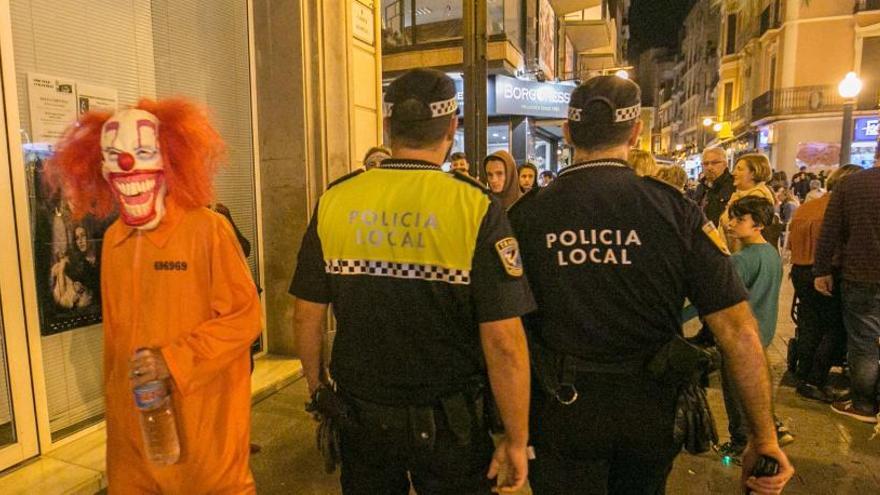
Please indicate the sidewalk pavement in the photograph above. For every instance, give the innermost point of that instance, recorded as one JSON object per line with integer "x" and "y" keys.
{"x": 832, "y": 454}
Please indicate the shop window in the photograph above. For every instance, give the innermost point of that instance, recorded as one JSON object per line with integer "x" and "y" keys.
{"x": 124, "y": 51}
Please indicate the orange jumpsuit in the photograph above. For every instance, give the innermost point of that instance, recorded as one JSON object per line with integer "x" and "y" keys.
{"x": 184, "y": 288}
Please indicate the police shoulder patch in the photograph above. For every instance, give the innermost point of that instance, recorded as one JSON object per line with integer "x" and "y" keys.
{"x": 715, "y": 236}
{"x": 508, "y": 251}
{"x": 470, "y": 180}
{"x": 346, "y": 177}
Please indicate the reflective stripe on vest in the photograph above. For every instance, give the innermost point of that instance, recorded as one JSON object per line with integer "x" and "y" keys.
{"x": 413, "y": 224}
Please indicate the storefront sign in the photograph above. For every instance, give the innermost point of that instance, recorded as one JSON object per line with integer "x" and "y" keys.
{"x": 362, "y": 22}
{"x": 95, "y": 98}
{"x": 52, "y": 105}
{"x": 866, "y": 129}
{"x": 534, "y": 99}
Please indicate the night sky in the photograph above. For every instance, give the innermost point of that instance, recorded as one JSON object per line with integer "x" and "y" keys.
{"x": 655, "y": 23}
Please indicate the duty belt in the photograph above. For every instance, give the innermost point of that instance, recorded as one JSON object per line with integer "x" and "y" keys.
{"x": 557, "y": 372}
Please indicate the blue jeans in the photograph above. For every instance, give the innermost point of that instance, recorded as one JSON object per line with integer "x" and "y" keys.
{"x": 861, "y": 313}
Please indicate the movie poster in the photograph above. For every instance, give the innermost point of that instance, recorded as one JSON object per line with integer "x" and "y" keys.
{"x": 67, "y": 259}
{"x": 547, "y": 39}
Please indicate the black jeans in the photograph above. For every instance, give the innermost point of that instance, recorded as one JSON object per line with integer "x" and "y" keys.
{"x": 381, "y": 455}
{"x": 821, "y": 332}
{"x": 861, "y": 302}
{"x": 616, "y": 438}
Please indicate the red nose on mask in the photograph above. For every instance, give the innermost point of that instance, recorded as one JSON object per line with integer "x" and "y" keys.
{"x": 125, "y": 161}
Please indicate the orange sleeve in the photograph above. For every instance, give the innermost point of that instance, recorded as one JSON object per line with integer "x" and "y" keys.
{"x": 197, "y": 357}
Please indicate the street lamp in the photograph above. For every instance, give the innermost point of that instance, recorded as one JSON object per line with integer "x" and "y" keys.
{"x": 718, "y": 127}
{"x": 707, "y": 121}
{"x": 849, "y": 89}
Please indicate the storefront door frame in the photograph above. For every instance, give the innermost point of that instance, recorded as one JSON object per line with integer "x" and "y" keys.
{"x": 15, "y": 328}
{"x": 24, "y": 313}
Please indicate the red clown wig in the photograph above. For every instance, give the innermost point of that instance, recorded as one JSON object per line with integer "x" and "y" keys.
{"x": 191, "y": 150}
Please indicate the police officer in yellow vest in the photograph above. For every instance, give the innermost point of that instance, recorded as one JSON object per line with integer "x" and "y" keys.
{"x": 611, "y": 258}
{"x": 425, "y": 280}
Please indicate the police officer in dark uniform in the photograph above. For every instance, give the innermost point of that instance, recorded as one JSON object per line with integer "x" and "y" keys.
{"x": 611, "y": 258}
{"x": 426, "y": 283}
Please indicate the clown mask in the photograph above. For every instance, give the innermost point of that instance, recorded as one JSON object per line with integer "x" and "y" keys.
{"x": 134, "y": 168}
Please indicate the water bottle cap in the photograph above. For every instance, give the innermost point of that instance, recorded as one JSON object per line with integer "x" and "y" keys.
{"x": 150, "y": 394}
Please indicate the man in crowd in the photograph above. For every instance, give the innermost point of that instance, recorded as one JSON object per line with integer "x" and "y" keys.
{"x": 717, "y": 184}
{"x": 852, "y": 229}
{"x": 800, "y": 183}
{"x": 606, "y": 306}
{"x": 428, "y": 311}
{"x": 460, "y": 163}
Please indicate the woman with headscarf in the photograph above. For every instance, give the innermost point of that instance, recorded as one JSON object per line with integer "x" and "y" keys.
{"x": 502, "y": 177}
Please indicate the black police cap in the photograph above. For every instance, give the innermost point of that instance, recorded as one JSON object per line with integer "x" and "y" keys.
{"x": 420, "y": 94}
{"x": 605, "y": 100}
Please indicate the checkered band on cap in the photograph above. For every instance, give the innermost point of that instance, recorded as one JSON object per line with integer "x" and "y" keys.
{"x": 574, "y": 114}
{"x": 438, "y": 108}
{"x": 431, "y": 273}
{"x": 629, "y": 113}
{"x": 446, "y": 107}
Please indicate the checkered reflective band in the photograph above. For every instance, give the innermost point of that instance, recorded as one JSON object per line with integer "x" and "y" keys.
{"x": 446, "y": 107}
{"x": 584, "y": 165}
{"x": 431, "y": 273}
{"x": 628, "y": 113}
{"x": 438, "y": 108}
{"x": 574, "y": 114}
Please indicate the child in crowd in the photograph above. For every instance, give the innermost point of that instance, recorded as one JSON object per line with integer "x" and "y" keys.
{"x": 760, "y": 268}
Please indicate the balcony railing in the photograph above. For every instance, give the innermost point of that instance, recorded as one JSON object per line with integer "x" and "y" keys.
{"x": 742, "y": 115}
{"x": 799, "y": 100}
{"x": 863, "y": 5}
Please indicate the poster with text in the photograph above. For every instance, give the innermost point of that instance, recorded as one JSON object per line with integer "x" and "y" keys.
{"x": 52, "y": 106}
{"x": 95, "y": 98}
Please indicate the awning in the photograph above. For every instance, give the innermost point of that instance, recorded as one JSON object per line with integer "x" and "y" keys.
{"x": 562, "y": 7}
{"x": 590, "y": 35}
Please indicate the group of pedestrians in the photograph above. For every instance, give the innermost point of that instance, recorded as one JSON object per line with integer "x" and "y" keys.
{"x": 592, "y": 271}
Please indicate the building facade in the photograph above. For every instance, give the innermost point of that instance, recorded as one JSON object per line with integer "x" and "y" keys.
{"x": 781, "y": 62}
{"x": 537, "y": 50}
{"x": 278, "y": 79}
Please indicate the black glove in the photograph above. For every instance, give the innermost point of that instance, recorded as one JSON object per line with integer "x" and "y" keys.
{"x": 332, "y": 413}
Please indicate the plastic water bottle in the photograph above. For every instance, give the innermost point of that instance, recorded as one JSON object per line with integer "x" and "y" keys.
{"x": 158, "y": 424}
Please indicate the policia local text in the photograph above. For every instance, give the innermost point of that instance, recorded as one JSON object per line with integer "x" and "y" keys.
{"x": 610, "y": 246}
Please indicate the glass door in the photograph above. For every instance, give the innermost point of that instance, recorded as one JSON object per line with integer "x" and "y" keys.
{"x": 18, "y": 428}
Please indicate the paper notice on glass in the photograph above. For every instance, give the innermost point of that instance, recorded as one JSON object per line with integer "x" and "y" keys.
{"x": 95, "y": 98}
{"x": 52, "y": 105}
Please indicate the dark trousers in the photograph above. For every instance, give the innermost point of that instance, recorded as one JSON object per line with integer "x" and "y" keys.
{"x": 616, "y": 438}
{"x": 861, "y": 305}
{"x": 388, "y": 447}
{"x": 821, "y": 332}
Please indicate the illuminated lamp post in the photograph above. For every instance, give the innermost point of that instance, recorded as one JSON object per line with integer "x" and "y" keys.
{"x": 849, "y": 89}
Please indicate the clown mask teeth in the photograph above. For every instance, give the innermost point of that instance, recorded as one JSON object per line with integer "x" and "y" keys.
{"x": 136, "y": 194}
